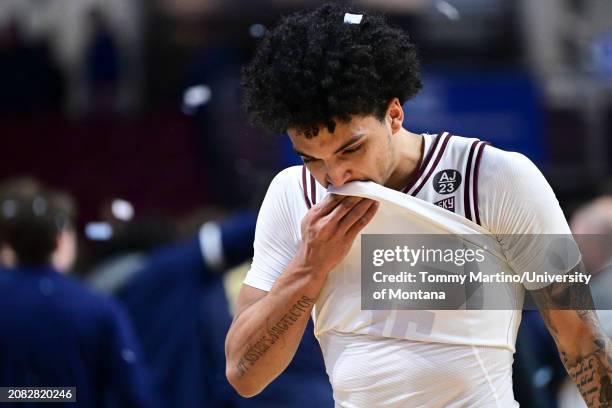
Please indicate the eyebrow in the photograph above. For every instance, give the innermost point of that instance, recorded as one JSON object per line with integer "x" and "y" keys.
{"x": 353, "y": 140}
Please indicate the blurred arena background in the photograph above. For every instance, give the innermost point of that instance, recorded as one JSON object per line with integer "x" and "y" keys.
{"x": 133, "y": 108}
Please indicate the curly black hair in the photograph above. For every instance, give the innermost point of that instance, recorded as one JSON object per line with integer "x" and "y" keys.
{"x": 313, "y": 69}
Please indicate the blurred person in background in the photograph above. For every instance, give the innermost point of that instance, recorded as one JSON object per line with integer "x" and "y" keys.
{"x": 175, "y": 294}
{"x": 67, "y": 37}
{"x": 55, "y": 332}
{"x": 29, "y": 79}
{"x": 592, "y": 225}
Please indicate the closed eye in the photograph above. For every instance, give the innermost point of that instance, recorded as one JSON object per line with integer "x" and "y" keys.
{"x": 352, "y": 149}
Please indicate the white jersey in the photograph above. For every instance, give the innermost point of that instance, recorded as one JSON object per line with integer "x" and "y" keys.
{"x": 474, "y": 189}
{"x": 338, "y": 307}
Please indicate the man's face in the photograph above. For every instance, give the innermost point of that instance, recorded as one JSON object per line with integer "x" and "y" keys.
{"x": 358, "y": 150}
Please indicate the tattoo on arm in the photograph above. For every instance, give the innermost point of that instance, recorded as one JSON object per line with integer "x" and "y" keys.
{"x": 273, "y": 334}
{"x": 592, "y": 374}
{"x": 571, "y": 306}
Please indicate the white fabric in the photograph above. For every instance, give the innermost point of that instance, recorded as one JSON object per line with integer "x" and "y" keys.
{"x": 277, "y": 233}
{"x": 368, "y": 371}
{"x": 516, "y": 203}
{"x": 514, "y": 199}
{"x": 338, "y": 307}
{"x": 454, "y": 155}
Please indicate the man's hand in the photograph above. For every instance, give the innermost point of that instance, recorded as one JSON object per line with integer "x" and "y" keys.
{"x": 329, "y": 229}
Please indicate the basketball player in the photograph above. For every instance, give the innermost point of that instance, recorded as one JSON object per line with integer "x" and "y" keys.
{"x": 335, "y": 81}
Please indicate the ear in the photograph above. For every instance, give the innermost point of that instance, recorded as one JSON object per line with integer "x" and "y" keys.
{"x": 65, "y": 251}
{"x": 395, "y": 115}
{"x": 8, "y": 259}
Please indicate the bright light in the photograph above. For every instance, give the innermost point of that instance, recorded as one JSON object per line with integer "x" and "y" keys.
{"x": 122, "y": 210}
{"x": 352, "y": 18}
{"x": 197, "y": 96}
{"x": 98, "y": 231}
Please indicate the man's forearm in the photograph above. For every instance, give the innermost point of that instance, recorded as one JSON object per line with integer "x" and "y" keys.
{"x": 591, "y": 368}
{"x": 585, "y": 350}
{"x": 264, "y": 338}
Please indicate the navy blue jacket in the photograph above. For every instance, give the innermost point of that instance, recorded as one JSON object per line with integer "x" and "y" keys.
{"x": 55, "y": 332}
{"x": 181, "y": 314}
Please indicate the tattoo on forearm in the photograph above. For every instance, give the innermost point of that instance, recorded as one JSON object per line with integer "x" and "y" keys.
{"x": 592, "y": 372}
{"x": 273, "y": 334}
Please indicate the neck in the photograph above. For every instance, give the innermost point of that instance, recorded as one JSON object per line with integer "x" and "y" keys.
{"x": 407, "y": 154}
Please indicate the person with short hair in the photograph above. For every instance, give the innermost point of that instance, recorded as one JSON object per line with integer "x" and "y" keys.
{"x": 55, "y": 332}
{"x": 336, "y": 79}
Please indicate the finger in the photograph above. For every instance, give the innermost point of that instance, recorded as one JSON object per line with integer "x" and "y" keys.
{"x": 354, "y": 214}
{"x": 343, "y": 208}
{"x": 364, "y": 220}
{"x": 329, "y": 205}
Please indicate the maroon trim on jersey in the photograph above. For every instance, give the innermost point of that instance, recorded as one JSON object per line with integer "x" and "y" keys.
{"x": 313, "y": 190}
{"x": 435, "y": 164}
{"x": 305, "y": 187}
{"x": 423, "y": 162}
{"x": 468, "y": 171}
{"x": 475, "y": 189}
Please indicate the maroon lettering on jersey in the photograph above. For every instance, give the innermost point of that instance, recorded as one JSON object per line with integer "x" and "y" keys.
{"x": 447, "y": 203}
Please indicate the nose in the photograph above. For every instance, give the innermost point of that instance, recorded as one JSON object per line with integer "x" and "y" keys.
{"x": 338, "y": 176}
